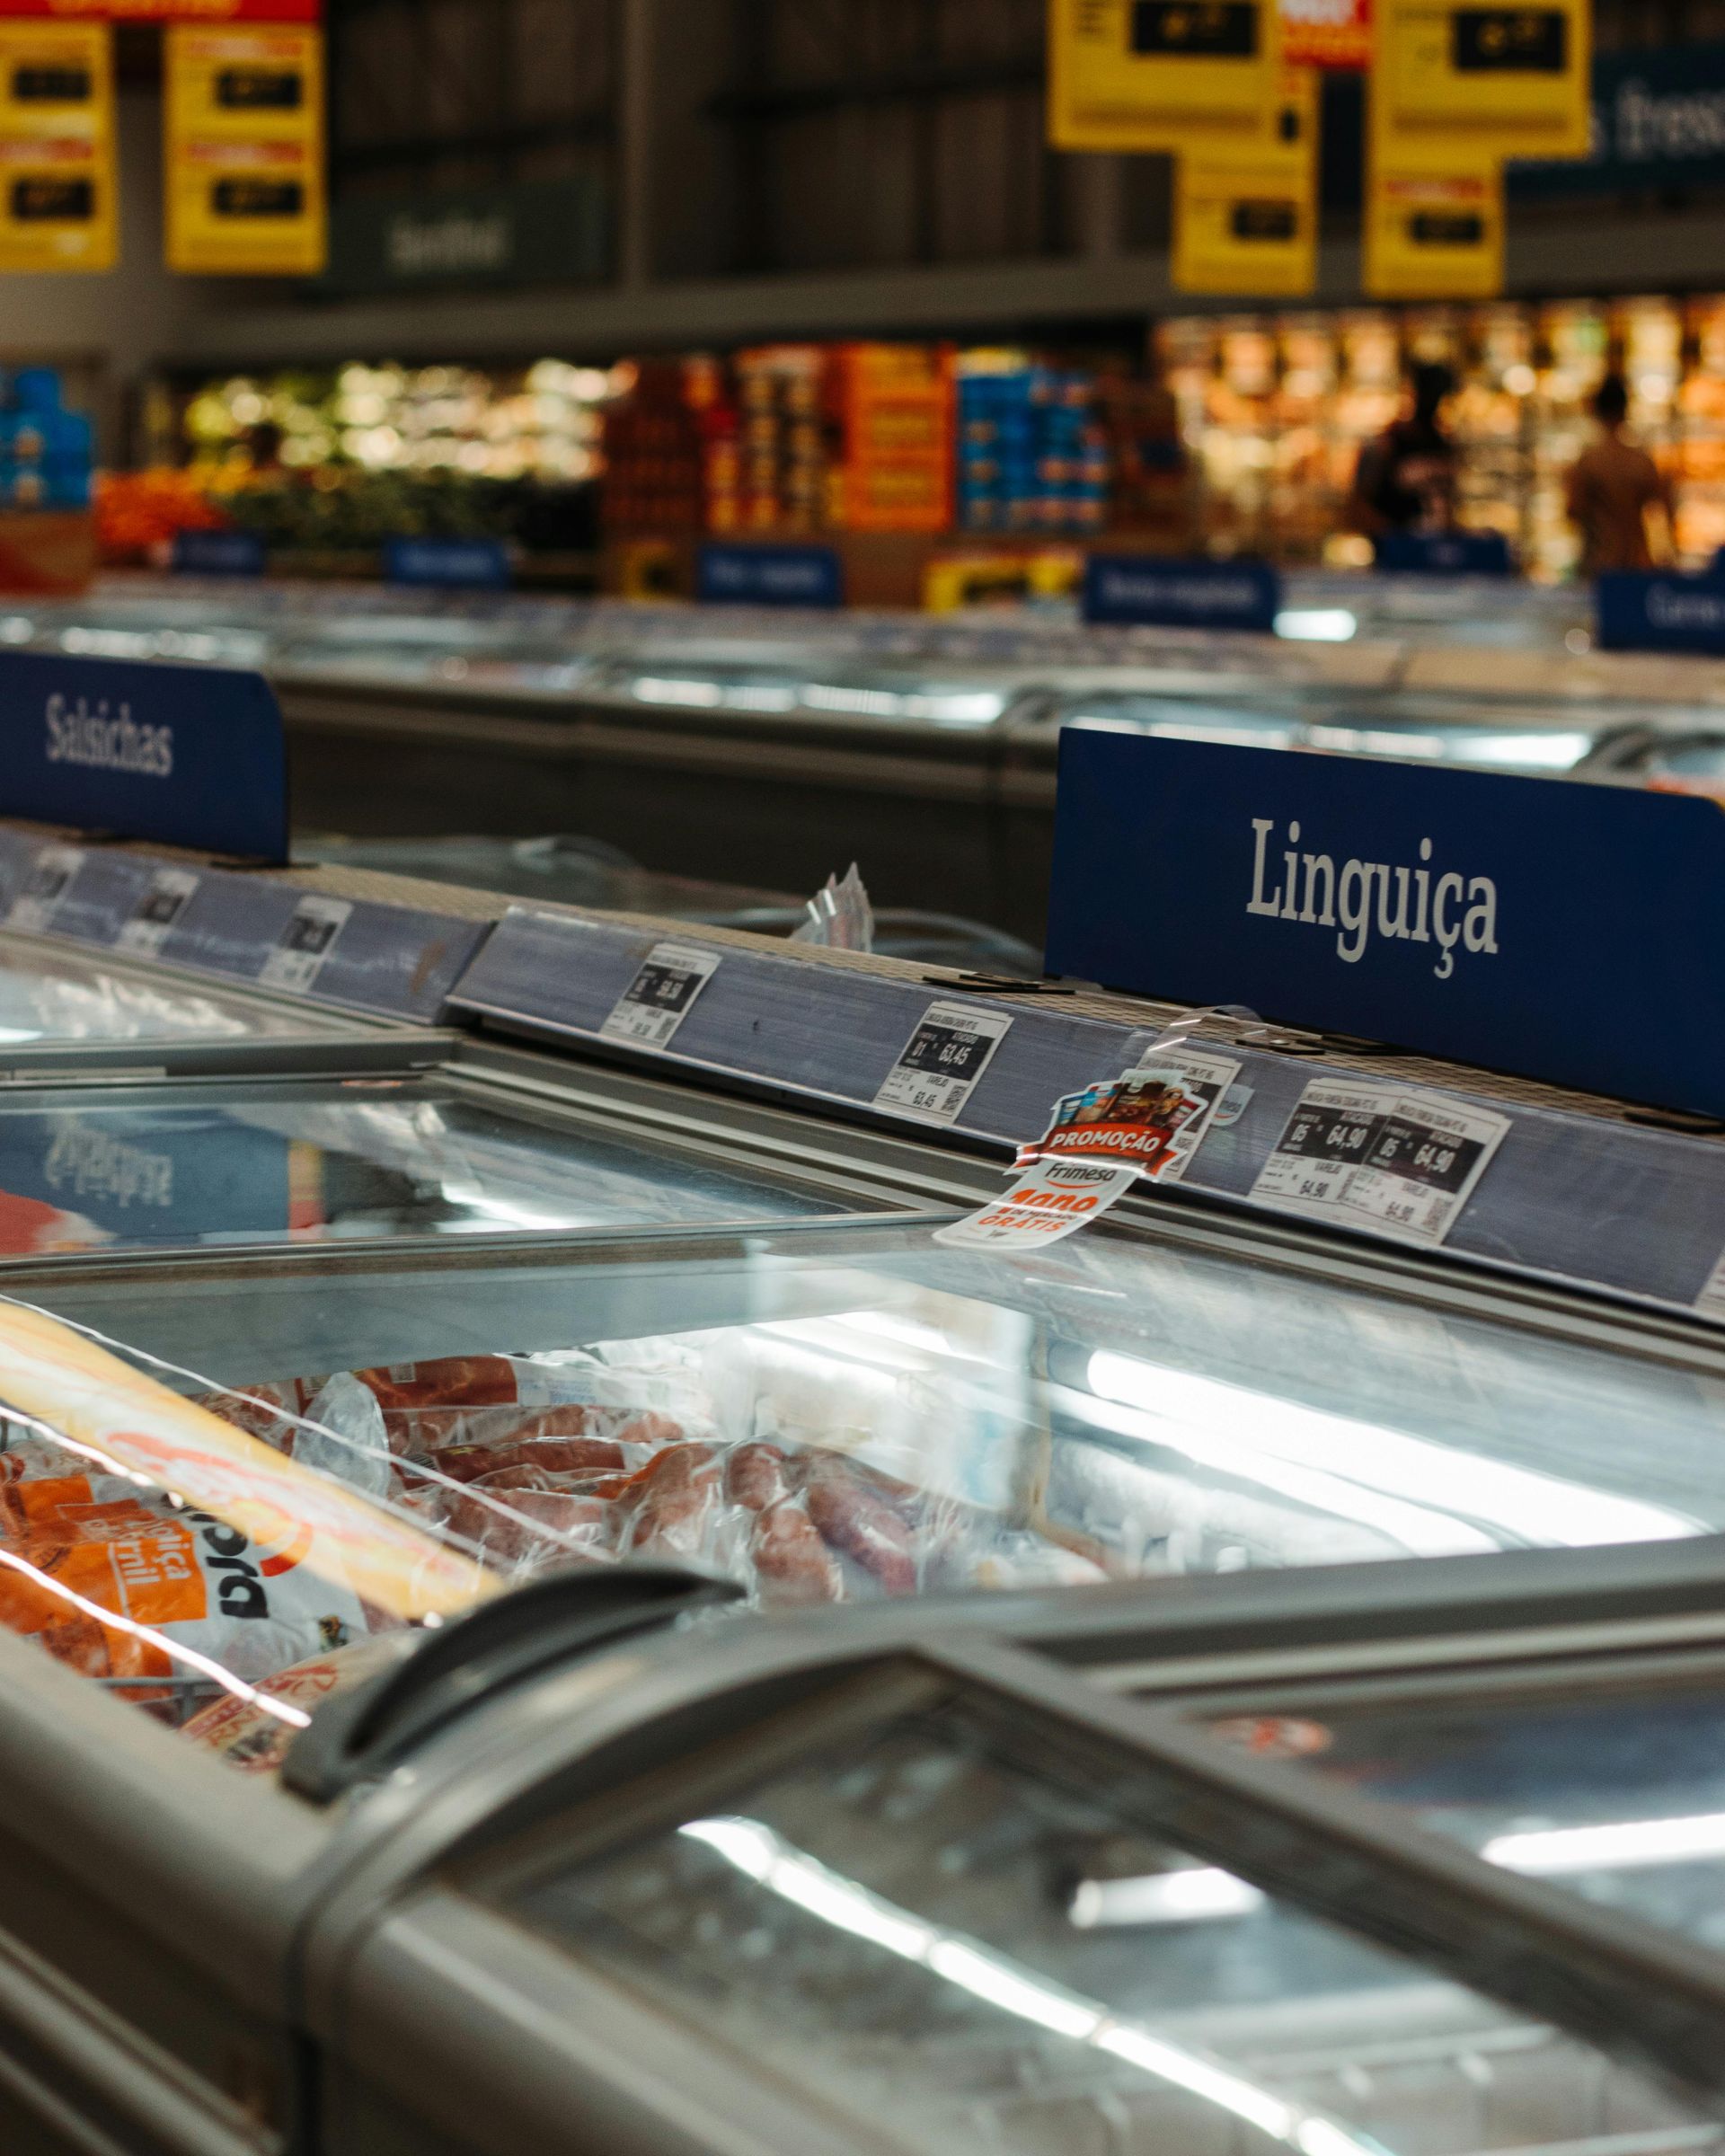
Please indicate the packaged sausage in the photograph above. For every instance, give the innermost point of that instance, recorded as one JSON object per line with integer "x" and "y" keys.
{"x": 252, "y": 1737}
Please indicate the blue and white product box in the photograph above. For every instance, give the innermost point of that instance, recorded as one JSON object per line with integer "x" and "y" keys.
{"x": 1166, "y": 592}
{"x": 1660, "y": 611}
{"x": 730, "y": 574}
{"x": 453, "y": 564}
{"x": 1445, "y": 553}
{"x": 1564, "y": 931}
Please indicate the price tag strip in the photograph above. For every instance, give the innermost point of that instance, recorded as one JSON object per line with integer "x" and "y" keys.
{"x": 660, "y": 996}
{"x": 1402, "y": 1161}
{"x": 47, "y": 883}
{"x": 1143, "y": 1126}
{"x": 155, "y": 913}
{"x": 305, "y": 943}
{"x": 940, "y": 1064}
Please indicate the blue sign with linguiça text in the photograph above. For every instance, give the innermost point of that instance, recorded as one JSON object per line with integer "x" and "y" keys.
{"x": 218, "y": 554}
{"x": 1170, "y": 592}
{"x": 1445, "y": 553}
{"x": 1658, "y": 610}
{"x": 187, "y": 755}
{"x": 1565, "y": 931}
{"x": 455, "y": 564}
{"x": 769, "y": 576}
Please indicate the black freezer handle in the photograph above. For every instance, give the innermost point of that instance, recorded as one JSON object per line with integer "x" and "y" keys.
{"x": 363, "y": 1732}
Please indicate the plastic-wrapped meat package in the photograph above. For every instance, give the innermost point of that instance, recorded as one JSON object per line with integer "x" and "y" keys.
{"x": 249, "y": 1736}
{"x": 111, "y": 1578}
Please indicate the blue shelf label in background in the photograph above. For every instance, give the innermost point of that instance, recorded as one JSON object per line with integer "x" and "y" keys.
{"x": 1445, "y": 553}
{"x": 1635, "y": 611}
{"x": 187, "y": 755}
{"x": 1171, "y": 593}
{"x": 218, "y": 554}
{"x": 769, "y": 576}
{"x": 458, "y": 564}
{"x": 1564, "y": 931}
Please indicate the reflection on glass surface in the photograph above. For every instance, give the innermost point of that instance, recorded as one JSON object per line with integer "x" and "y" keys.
{"x": 861, "y": 695}
{"x": 889, "y": 1923}
{"x": 62, "y": 995}
{"x": 1617, "y": 1794}
{"x": 336, "y": 1160}
{"x": 852, "y": 1413}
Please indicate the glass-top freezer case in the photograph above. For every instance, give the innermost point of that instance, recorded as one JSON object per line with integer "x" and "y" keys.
{"x": 822, "y": 1413}
{"x": 898, "y": 1916}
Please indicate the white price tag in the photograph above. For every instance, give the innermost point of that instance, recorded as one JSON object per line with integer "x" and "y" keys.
{"x": 1045, "y": 1201}
{"x": 937, "y": 1068}
{"x": 49, "y": 879}
{"x": 1209, "y": 1080}
{"x": 305, "y": 943}
{"x": 1404, "y": 1161}
{"x": 659, "y": 998}
{"x": 156, "y": 911}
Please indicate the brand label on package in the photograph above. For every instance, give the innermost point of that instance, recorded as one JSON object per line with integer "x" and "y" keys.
{"x": 305, "y": 943}
{"x": 1382, "y": 1156}
{"x": 1045, "y": 1202}
{"x": 940, "y": 1064}
{"x": 660, "y": 996}
{"x": 156, "y": 911}
{"x": 50, "y": 881}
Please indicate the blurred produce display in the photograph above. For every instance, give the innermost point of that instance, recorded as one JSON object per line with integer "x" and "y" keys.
{"x": 138, "y": 513}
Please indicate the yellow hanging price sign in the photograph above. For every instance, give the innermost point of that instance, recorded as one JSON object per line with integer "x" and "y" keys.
{"x": 57, "y": 145}
{"x": 1509, "y": 81}
{"x": 1434, "y": 223}
{"x": 245, "y": 150}
{"x": 1158, "y": 75}
{"x": 1245, "y": 214}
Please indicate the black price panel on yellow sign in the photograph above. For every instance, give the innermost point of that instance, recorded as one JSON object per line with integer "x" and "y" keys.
{"x": 57, "y": 145}
{"x": 1434, "y": 223}
{"x": 1512, "y": 81}
{"x": 246, "y": 187}
{"x": 1160, "y": 75}
{"x": 1245, "y": 214}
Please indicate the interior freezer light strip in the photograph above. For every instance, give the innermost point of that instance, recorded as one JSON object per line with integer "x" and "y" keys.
{"x": 1612, "y": 1847}
{"x": 764, "y": 1855}
{"x": 1541, "y": 1508}
{"x": 112, "y": 1621}
{"x": 424, "y": 1470}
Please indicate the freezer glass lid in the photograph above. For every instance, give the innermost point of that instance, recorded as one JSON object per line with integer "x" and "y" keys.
{"x": 54, "y": 993}
{"x": 903, "y": 1922}
{"x": 846, "y": 1412}
{"x": 1616, "y": 1792}
{"x": 337, "y": 1159}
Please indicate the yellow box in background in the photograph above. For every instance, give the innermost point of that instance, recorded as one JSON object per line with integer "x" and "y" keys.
{"x": 1159, "y": 75}
{"x": 245, "y": 150}
{"x": 1512, "y": 81}
{"x": 1434, "y": 224}
{"x": 1246, "y": 215}
{"x": 57, "y": 180}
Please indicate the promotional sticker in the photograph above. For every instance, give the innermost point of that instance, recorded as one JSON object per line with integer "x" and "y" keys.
{"x": 659, "y": 998}
{"x": 937, "y": 1068}
{"x": 1384, "y": 1156}
{"x": 48, "y": 881}
{"x": 156, "y": 911}
{"x": 1048, "y": 1201}
{"x": 305, "y": 943}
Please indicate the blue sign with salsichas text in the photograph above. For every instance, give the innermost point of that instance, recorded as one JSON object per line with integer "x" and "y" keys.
{"x": 1565, "y": 931}
{"x": 1636, "y": 611}
{"x": 187, "y": 755}
{"x": 1158, "y": 592}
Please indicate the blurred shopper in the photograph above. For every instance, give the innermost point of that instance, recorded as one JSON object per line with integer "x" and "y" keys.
{"x": 1406, "y": 479}
{"x": 1612, "y": 488}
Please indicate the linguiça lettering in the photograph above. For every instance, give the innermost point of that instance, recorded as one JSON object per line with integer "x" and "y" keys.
{"x": 107, "y": 741}
{"x": 1416, "y": 904}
